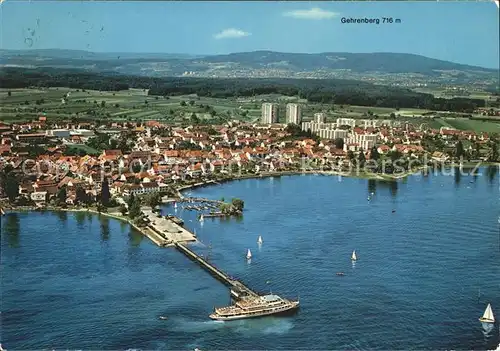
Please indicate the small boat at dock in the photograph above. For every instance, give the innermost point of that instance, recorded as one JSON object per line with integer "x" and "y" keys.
{"x": 487, "y": 315}
{"x": 259, "y": 241}
{"x": 163, "y": 318}
{"x": 249, "y": 254}
{"x": 341, "y": 274}
{"x": 353, "y": 256}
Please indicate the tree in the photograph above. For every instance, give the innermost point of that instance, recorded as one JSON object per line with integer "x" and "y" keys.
{"x": 395, "y": 155}
{"x": 11, "y": 186}
{"x": 194, "y": 118}
{"x": 134, "y": 210}
{"x": 123, "y": 209}
{"x": 183, "y": 103}
{"x": 103, "y": 103}
{"x": 153, "y": 200}
{"x": 105, "y": 194}
{"x": 361, "y": 158}
{"x": 238, "y": 204}
{"x": 460, "y": 152}
{"x": 191, "y": 102}
{"x": 494, "y": 152}
{"x": 62, "y": 194}
{"x": 81, "y": 195}
{"x": 350, "y": 155}
{"x": 339, "y": 143}
{"x": 374, "y": 155}
{"x": 9, "y": 93}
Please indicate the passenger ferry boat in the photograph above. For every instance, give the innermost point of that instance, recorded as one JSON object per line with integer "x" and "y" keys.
{"x": 251, "y": 307}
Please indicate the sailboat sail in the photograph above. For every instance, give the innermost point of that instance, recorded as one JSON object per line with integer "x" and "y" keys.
{"x": 353, "y": 257}
{"x": 259, "y": 240}
{"x": 488, "y": 315}
{"x": 249, "y": 254}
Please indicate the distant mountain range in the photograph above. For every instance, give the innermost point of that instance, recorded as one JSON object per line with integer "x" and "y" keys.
{"x": 382, "y": 68}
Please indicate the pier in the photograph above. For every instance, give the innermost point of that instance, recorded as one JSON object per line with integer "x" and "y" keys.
{"x": 217, "y": 273}
{"x": 163, "y": 232}
{"x": 170, "y": 231}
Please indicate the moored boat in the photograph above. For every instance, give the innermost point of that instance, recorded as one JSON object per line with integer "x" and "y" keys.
{"x": 253, "y": 307}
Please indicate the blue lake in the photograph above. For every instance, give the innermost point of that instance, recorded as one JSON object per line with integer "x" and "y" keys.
{"x": 428, "y": 264}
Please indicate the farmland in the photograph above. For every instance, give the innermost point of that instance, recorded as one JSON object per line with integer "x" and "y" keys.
{"x": 129, "y": 105}
{"x": 136, "y": 105}
{"x": 466, "y": 124}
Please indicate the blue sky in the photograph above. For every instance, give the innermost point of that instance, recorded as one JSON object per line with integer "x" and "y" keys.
{"x": 464, "y": 32}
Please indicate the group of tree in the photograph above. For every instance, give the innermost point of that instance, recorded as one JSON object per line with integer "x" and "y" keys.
{"x": 342, "y": 92}
{"x": 134, "y": 207}
{"x": 9, "y": 183}
{"x": 234, "y": 208}
{"x": 297, "y": 132}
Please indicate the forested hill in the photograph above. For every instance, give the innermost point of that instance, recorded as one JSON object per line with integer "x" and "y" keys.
{"x": 344, "y": 92}
{"x": 389, "y": 68}
{"x": 364, "y": 62}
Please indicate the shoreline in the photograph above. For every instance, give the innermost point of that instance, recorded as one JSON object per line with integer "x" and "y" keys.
{"x": 154, "y": 237}
{"x": 364, "y": 175}
{"x": 368, "y": 176}
{"x": 183, "y": 188}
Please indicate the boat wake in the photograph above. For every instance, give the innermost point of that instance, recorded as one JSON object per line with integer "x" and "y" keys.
{"x": 267, "y": 326}
{"x": 189, "y": 326}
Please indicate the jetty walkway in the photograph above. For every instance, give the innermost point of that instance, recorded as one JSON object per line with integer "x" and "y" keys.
{"x": 217, "y": 273}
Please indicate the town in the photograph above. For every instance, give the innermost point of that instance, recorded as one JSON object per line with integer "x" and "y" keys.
{"x": 39, "y": 164}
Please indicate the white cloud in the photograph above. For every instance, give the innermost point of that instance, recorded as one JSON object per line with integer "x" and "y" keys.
{"x": 314, "y": 13}
{"x": 231, "y": 33}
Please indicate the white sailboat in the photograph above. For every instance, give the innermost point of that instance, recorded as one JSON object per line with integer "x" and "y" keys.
{"x": 259, "y": 241}
{"x": 175, "y": 205}
{"x": 201, "y": 218}
{"x": 488, "y": 315}
{"x": 353, "y": 256}
{"x": 249, "y": 254}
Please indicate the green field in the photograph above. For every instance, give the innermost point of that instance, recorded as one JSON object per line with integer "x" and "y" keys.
{"x": 130, "y": 105}
{"x": 88, "y": 150}
{"x": 447, "y": 94}
{"x": 136, "y": 105}
{"x": 465, "y": 124}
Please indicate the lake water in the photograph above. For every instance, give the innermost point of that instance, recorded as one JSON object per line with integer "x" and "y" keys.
{"x": 424, "y": 274}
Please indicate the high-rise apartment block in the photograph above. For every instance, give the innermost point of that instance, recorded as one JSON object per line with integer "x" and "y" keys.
{"x": 319, "y": 117}
{"x": 293, "y": 114}
{"x": 269, "y": 113}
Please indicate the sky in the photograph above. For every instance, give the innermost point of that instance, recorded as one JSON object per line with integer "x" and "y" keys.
{"x": 463, "y": 32}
